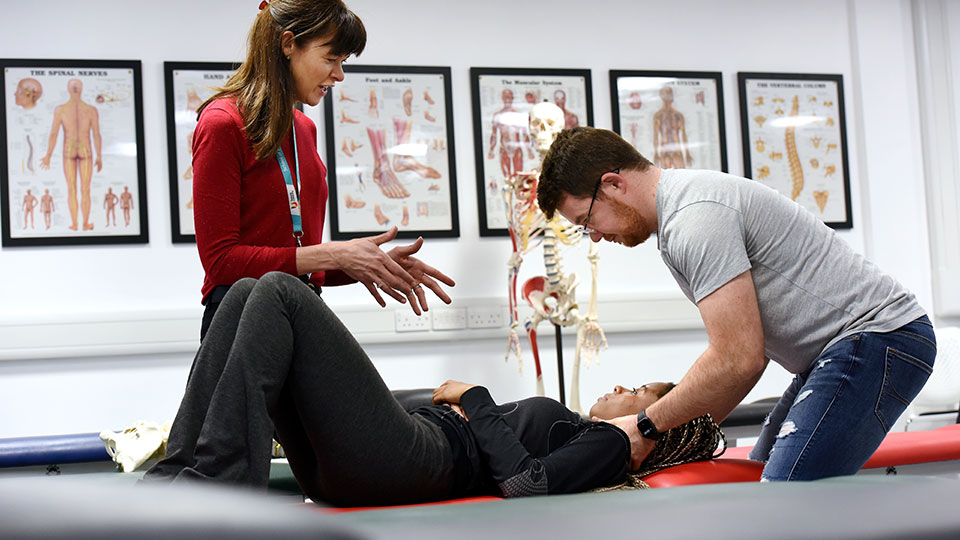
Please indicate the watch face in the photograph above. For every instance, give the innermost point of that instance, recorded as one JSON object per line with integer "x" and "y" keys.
{"x": 646, "y": 427}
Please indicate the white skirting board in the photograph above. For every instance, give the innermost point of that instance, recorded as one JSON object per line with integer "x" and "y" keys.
{"x": 177, "y": 330}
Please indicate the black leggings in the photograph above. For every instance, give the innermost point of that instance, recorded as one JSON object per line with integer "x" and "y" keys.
{"x": 277, "y": 361}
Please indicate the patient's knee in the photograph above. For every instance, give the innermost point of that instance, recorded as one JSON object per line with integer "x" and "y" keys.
{"x": 244, "y": 285}
{"x": 279, "y": 278}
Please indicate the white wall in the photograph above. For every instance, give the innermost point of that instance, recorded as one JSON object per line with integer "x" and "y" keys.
{"x": 868, "y": 42}
{"x": 936, "y": 64}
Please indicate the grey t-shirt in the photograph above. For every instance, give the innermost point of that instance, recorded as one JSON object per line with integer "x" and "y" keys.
{"x": 812, "y": 289}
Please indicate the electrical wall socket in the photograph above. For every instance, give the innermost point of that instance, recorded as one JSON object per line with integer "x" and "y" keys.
{"x": 449, "y": 318}
{"x": 406, "y": 320}
{"x": 486, "y": 316}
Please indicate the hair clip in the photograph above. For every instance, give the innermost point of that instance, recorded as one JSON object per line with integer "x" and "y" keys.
{"x": 263, "y": 4}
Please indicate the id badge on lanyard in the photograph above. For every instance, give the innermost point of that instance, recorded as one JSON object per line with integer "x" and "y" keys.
{"x": 293, "y": 196}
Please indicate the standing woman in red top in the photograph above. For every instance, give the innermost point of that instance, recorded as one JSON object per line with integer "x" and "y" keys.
{"x": 252, "y": 149}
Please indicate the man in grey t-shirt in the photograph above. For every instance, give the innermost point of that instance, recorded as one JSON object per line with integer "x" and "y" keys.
{"x": 771, "y": 282}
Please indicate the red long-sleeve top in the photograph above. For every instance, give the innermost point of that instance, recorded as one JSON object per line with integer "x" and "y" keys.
{"x": 240, "y": 209}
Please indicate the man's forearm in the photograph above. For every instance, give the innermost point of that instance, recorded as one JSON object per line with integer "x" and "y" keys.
{"x": 715, "y": 384}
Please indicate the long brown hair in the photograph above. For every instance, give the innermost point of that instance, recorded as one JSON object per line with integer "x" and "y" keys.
{"x": 697, "y": 440}
{"x": 263, "y": 85}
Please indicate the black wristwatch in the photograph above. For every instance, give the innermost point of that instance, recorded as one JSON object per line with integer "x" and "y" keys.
{"x": 646, "y": 427}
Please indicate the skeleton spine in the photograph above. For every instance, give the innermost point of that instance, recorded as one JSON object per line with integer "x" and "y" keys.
{"x": 551, "y": 257}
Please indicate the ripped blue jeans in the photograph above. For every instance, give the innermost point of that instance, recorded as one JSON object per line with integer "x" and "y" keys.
{"x": 833, "y": 416}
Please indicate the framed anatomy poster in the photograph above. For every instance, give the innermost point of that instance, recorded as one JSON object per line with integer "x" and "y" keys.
{"x": 502, "y": 98}
{"x": 795, "y": 140}
{"x": 390, "y": 157}
{"x": 674, "y": 118}
{"x": 187, "y": 86}
{"x": 72, "y": 165}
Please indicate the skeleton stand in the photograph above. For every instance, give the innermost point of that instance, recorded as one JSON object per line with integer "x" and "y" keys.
{"x": 556, "y": 328}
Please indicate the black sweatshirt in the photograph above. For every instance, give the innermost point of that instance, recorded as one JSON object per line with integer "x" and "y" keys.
{"x": 531, "y": 447}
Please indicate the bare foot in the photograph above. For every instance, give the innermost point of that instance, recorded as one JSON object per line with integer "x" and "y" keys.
{"x": 426, "y": 114}
{"x": 374, "y": 111}
{"x": 88, "y": 226}
{"x": 380, "y": 217}
{"x": 408, "y": 101}
{"x": 346, "y": 149}
{"x": 344, "y": 119}
{"x": 409, "y": 163}
{"x": 388, "y": 182}
{"x": 426, "y": 96}
{"x": 353, "y": 203}
{"x": 406, "y": 217}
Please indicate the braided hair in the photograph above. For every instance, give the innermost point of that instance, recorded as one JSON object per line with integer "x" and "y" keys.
{"x": 697, "y": 440}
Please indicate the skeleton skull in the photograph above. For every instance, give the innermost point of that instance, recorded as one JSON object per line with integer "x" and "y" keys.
{"x": 546, "y": 120}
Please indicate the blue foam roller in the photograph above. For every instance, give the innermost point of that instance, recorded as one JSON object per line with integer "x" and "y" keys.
{"x": 52, "y": 449}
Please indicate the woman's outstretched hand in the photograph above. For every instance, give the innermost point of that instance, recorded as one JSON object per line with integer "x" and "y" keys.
{"x": 423, "y": 274}
{"x": 364, "y": 260}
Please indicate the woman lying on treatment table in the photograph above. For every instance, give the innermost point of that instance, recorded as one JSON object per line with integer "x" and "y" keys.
{"x": 278, "y": 362}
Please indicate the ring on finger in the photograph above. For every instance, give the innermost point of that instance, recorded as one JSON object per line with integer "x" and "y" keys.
{"x": 380, "y": 285}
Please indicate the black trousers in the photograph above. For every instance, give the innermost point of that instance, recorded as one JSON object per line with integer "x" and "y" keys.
{"x": 219, "y": 292}
{"x": 276, "y": 361}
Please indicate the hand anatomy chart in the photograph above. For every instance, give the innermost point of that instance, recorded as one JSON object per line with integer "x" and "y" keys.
{"x": 188, "y": 86}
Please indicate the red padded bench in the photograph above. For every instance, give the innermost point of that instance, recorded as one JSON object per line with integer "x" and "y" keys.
{"x": 897, "y": 449}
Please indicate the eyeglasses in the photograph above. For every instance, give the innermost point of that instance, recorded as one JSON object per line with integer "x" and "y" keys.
{"x": 584, "y": 228}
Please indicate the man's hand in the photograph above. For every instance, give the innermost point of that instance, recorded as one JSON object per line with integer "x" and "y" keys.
{"x": 450, "y": 392}
{"x": 640, "y": 446}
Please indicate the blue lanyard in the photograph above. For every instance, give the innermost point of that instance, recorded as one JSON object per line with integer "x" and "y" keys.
{"x": 293, "y": 197}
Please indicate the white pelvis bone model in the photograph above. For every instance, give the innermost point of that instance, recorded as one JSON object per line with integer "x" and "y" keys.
{"x": 552, "y": 297}
{"x": 133, "y": 446}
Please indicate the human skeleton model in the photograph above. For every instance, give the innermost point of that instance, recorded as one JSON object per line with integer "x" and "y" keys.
{"x": 553, "y": 297}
